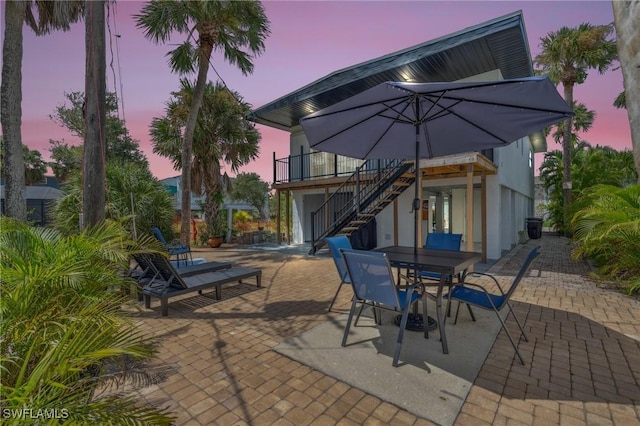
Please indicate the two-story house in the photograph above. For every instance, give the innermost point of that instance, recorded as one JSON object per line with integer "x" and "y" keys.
{"x": 486, "y": 196}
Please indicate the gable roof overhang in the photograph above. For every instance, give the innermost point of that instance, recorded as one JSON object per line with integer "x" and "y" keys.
{"x": 498, "y": 44}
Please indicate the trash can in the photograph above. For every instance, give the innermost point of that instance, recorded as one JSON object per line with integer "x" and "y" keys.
{"x": 534, "y": 227}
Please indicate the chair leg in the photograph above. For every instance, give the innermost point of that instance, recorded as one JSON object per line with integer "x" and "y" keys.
{"x": 425, "y": 317}
{"x": 346, "y": 329}
{"x": 360, "y": 313}
{"x": 513, "y": 343}
{"x": 473, "y": 317}
{"x": 335, "y": 297}
{"x": 403, "y": 325}
{"x": 517, "y": 321}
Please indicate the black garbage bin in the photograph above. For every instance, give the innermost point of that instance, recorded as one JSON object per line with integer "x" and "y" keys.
{"x": 534, "y": 227}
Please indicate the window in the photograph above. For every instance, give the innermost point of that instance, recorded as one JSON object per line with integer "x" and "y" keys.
{"x": 530, "y": 158}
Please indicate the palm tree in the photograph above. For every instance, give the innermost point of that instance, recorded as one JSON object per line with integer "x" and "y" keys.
{"x": 566, "y": 57}
{"x": 582, "y": 121}
{"x": 51, "y": 15}
{"x": 222, "y": 134}
{"x": 66, "y": 342}
{"x": 626, "y": 16}
{"x": 228, "y": 26}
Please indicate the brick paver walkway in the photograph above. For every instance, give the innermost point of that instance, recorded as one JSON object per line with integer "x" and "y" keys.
{"x": 582, "y": 357}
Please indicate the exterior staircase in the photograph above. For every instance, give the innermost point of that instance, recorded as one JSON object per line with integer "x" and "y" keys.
{"x": 371, "y": 188}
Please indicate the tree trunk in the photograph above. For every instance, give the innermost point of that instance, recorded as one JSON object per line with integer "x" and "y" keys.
{"x": 93, "y": 164}
{"x": 627, "y": 21}
{"x": 187, "y": 144}
{"x": 566, "y": 159}
{"x": 211, "y": 203}
{"x": 11, "y": 111}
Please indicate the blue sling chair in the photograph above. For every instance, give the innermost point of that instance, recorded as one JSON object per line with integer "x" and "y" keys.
{"x": 335, "y": 245}
{"x": 182, "y": 252}
{"x": 477, "y": 295}
{"x": 373, "y": 285}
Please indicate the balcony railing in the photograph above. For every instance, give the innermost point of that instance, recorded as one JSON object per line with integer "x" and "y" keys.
{"x": 316, "y": 165}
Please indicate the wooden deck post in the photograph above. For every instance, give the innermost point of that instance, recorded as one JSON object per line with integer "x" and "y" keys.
{"x": 469, "y": 214}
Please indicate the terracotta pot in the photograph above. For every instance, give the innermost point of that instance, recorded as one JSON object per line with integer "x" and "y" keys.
{"x": 215, "y": 242}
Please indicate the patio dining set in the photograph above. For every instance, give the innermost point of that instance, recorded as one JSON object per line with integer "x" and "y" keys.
{"x": 439, "y": 265}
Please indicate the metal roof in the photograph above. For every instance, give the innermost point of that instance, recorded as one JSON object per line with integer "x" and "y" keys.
{"x": 500, "y": 43}
{"x": 37, "y": 192}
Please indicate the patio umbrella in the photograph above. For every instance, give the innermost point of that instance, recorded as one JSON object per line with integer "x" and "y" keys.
{"x": 426, "y": 120}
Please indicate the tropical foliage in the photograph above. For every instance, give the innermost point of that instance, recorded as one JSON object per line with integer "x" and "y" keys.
{"x": 65, "y": 342}
{"x": 223, "y": 135}
{"x": 566, "y": 57}
{"x": 134, "y": 197}
{"x": 607, "y": 230}
{"x": 235, "y": 28}
{"x": 591, "y": 166}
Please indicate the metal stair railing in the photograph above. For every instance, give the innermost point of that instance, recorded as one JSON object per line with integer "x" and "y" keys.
{"x": 359, "y": 199}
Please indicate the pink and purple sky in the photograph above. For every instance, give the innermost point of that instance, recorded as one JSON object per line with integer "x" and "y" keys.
{"x": 308, "y": 41}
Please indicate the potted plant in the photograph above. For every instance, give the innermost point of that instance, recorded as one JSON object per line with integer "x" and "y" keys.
{"x": 217, "y": 230}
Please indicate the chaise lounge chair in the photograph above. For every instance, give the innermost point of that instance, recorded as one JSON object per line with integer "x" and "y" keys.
{"x": 144, "y": 272}
{"x": 170, "y": 282}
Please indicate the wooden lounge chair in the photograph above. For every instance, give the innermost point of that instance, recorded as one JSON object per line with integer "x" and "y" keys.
{"x": 170, "y": 282}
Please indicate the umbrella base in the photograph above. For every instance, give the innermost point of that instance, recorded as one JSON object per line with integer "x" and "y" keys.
{"x": 415, "y": 322}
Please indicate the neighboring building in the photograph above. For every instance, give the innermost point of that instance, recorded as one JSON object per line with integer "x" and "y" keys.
{"x": 39, "y": 200}
{"x": 494, "y": 187}
{"x": 173, "y": 186}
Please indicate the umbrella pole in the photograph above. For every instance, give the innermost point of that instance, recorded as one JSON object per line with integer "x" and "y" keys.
{"x": 416, "y": 198}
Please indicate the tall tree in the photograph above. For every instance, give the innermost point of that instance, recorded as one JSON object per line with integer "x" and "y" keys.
{"x": 227, "y": 26}
{"x": 250, "y": 188}
{"x": 42, "y": 17}
{"x": 66, "y": 159}
{"x": 222, "y": 135}
{"x": 119, "y": 144}
{"x": 34, "y": 166}
{"x": 566, "y": 57}
{"x": 626, "y": 16}
{"x": 93, "y": 160}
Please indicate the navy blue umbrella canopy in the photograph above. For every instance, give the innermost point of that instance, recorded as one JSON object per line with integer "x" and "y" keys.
{"x": 426, "y": 120}
{"x": 446, "y": 118}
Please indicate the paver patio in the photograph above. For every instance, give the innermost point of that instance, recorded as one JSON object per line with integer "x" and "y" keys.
{"x": 582, "y": 358}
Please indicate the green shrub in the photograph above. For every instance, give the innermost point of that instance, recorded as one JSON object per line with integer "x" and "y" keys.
{"x": 242, "y": 221}
{"x": 134, "y": 197}
{"x": 64, "y": 336}
{"x": 607, "y": 230}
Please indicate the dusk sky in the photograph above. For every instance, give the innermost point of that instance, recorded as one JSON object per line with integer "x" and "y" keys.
{"x": 308, "y": 41}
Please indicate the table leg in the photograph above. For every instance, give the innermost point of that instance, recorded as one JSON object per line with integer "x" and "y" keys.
{"x": 441, "y": 319}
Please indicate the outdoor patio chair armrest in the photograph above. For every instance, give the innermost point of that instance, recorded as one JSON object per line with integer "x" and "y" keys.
{"x": 475, "y": 274}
